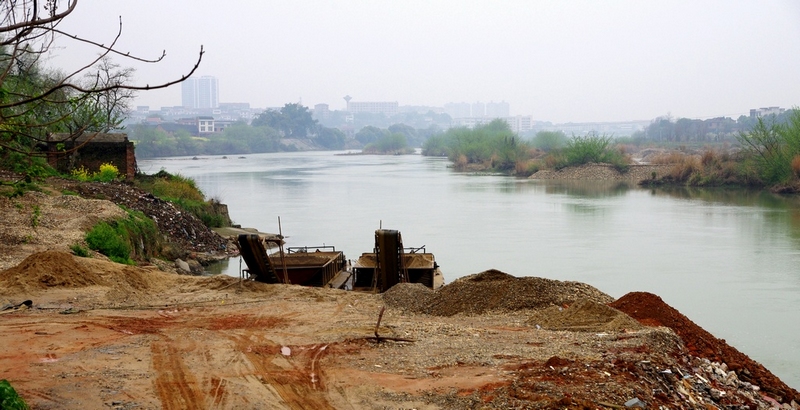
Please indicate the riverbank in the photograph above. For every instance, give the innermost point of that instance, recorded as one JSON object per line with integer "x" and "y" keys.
{"x": 102, "y": 334}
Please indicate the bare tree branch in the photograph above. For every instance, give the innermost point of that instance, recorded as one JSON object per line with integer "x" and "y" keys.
{"x": 36, "y": 104}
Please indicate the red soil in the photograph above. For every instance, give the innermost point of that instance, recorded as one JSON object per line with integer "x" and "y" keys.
{"x": 650, "y": 310}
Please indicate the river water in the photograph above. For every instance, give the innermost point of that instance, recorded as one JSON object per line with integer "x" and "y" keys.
{"x": 727, "y": 259}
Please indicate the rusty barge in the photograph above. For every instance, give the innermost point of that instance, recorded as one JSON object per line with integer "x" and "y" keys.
{"x": 323, "y": 266}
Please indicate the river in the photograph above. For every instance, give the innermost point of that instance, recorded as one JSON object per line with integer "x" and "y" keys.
{"x": 727, "y": 259}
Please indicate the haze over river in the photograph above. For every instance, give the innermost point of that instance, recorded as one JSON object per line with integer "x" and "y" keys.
{"x": 727, "y": 259}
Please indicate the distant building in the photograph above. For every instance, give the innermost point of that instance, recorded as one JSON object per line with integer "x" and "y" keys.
{"x": 387, "y": 108}
{"x": 200, "y": 92}
{"x": 205, "y": 125}
{"x": 321, "y": 112}
{"x": 518, "y": 124}
{"x": 497, "y": 110}
{"x": 763, "y": 112}
{"x": 458, "y": 110}
{"x": 478, "y": 110}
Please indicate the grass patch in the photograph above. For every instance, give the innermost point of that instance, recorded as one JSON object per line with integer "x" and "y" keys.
{"x": 184, "y": 193}
{"x": 35, "y": 216}
{"x": 79, "y": 250}
{"x": 709, "y": 168}
{"x": 135, "y": 236}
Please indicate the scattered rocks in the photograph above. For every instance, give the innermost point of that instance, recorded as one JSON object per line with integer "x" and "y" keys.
{"x": 635, "y": 173}
{"x": 651, "y": 310}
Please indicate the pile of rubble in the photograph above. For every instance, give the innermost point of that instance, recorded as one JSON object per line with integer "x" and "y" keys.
{"x": 183, "y": 228}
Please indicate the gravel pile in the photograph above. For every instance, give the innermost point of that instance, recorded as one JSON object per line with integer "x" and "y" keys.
{"x": 409, "y": 297}
{"x": 491, "y": 290}
{"x": 635, "y": 173}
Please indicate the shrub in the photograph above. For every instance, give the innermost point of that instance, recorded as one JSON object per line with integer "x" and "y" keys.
{"x": 9, "y": 399}
{"x": 771, "y": 148}
{"x": 550, "y": 140}
{"x": 592, "y": 148}
{"x": 137, "y": 234}
{"x": 81, "y": 174}
{"x": 492, "y": 146}
{"x": 108, "y": 172}
{"x": 673, "y": 157}
{"x": 79, "y": 250}
{"x": 105, "y": 239}
{"x": 796, "y": 165}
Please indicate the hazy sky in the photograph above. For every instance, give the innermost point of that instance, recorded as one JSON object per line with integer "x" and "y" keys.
{"x": 555, "y": 60}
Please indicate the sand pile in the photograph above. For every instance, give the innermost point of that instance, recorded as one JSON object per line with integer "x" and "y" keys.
{"x": 584, "y": 316}
{"x": 61, "y": 270}
{"x": 492, "y": 290}
{"x": 47, "y": 270}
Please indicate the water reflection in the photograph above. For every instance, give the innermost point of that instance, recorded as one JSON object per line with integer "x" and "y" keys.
{"x": 781, "y": 212}
{"x": 589, "y": 189}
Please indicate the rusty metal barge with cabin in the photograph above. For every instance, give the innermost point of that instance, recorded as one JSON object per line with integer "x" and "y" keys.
{"x": 388, "y": 264}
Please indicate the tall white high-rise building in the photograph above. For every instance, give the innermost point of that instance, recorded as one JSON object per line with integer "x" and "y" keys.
{"x": 200, "y": 92}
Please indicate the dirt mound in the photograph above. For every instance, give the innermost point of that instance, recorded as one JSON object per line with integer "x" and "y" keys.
{"x": 104, "y": 281}
{"x": 651, "y": 310}
{"x": 495, "y": 290}
{"x": 584, "y": 316}
{"x": 36, "y": 222}
{"x": 411, "y": 297}
{"x": 47, "y": 270}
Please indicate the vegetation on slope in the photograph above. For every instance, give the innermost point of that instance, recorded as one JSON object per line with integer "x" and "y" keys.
{"x": 184, "y": 193}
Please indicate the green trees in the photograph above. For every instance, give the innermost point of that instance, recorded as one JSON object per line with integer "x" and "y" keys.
{"x": 37, "y": 103}
{"x": 292, "y": 121}
{"x": 330, "y": 138}
{"x": 773, "y": 149}
{"x": 549, "y": 140}
{"x": 394, "y": 143}
{"x": 370, "y": 134}
{"x": 236, "y": 139}
{"x": 493, "y": 146}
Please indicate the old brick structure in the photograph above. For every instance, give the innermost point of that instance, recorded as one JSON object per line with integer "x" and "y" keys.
{"x": 91, "y": 150}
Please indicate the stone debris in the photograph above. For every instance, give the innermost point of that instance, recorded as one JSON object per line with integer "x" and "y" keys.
{"x": 183, "y": 228}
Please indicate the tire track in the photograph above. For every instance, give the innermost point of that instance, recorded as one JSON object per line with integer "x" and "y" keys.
{"x": 176, "y": 386}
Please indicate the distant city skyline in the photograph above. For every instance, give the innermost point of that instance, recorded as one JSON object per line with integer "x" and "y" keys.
{"x": 560, "y": 61}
